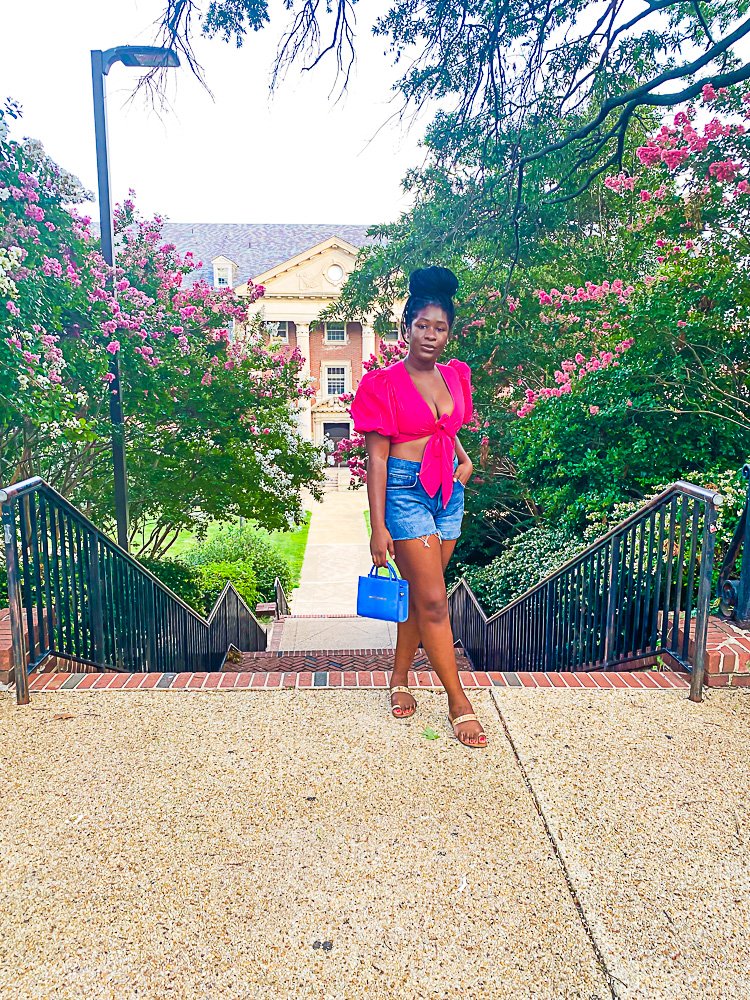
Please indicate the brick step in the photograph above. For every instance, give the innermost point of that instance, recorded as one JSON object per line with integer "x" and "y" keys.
{"x": 359, "y": 660}
{"x": 650, "y": 680}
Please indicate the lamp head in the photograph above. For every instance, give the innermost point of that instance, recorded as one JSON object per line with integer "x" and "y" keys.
{"x": 140, "y": 57}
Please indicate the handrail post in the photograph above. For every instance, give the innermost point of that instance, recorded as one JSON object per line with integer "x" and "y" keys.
{"x": 612, "y": 597}
{"x": 742, "y": 610}
{"x": 549, "y": 614}
{"x": 20, "y": 674}
{"x": 95, "y": 596}
{"x": 704, "y": 601}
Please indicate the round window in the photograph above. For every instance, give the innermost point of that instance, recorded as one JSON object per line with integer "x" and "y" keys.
{"x": 335, "y": 273}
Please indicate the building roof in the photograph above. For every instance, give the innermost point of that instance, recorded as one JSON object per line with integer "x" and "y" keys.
{"x": 254, "y": 247}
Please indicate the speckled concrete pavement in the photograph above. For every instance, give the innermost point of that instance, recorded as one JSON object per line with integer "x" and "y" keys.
{"x": 284, "y": 845}
{"x": 647, "y": 798}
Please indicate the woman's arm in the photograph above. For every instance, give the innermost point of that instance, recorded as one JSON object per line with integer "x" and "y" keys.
{"x": 465, "y": 464}
{"x": 381, "y": 543}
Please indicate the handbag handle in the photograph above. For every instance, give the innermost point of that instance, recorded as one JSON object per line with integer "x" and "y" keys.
{"x": 391, "y": 571}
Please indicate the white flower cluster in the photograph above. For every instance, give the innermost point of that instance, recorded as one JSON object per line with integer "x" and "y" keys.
{"x": 9, "y": 259}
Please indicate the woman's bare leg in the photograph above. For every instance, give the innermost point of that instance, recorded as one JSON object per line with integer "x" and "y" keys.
{"x": 422, "y": 566}
{"x": 407, "y": 643}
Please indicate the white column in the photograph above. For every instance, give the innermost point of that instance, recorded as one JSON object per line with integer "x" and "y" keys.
{"x": 368, "y": 342}
{"x": 303, "y": 346}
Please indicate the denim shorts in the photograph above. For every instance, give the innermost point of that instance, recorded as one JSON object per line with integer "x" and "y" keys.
{"x": 410, "y": 512}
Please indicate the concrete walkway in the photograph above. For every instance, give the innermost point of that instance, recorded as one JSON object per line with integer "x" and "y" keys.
{"x": 304, "y": 844}
{"x": 337, "y": 553}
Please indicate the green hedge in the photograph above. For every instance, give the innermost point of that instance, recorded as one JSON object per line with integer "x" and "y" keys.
{"x": 235, "y": 544}
{"x": 199, "y": 586}
{"x": 182, "y": 579}
{"x": 524, "y": 562}
{"x": 215, "y": 576}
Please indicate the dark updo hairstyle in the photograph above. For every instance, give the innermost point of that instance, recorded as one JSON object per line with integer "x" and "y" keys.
{"x": 430, "y": 286}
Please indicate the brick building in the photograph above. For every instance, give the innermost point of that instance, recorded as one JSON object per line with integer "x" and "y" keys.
{"x": 302, "y": 268}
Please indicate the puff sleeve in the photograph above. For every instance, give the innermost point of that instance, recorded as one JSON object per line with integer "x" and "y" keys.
{"x": 373, "y": 407}
{"x": 464, "y": 377}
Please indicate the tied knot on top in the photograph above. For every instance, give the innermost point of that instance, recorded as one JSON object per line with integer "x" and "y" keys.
{"x": 437, "y": 472}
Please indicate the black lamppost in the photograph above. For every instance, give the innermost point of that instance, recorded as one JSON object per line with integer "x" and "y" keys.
{"x": 140, "y": 56}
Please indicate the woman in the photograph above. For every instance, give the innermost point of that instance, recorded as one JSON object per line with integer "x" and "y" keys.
{"x": 417, "y": 470}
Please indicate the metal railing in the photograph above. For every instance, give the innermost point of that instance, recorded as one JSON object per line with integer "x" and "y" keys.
{"x": 282, "y": 601}
{"x": 642, "y": 589}
{"x": 75, "y": 594}
{"x": 734, "y": 594}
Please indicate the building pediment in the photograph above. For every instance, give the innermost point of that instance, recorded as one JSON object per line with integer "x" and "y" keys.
{"x": 317, "y": 273}
{"x": 330, "y": 404}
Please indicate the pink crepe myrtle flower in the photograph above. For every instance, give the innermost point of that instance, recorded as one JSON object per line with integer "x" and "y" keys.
{"x": 113, "y": 346}
{"x": 649, "y": 155}
{"x": 724, "y": 170}
{"x": 674, "y": 157}
{"x": 12, "y": 308}
{"x": 708, "y": 93}
{"x": 593, "y": 410}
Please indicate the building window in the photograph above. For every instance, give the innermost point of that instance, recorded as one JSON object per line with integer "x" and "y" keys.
{"x": 335, "y": 333}
{"x": 222, "y": 277}
{"x": 279, "y": 328}
{"x": 390, "y": 333}
{"x": 335, "y": 380}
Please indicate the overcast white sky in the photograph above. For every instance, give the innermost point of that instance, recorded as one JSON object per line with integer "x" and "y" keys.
{"x": 238, "y": 158}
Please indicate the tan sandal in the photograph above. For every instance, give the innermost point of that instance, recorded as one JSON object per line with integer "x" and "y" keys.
{"x": 404, "y": 713}
{"x": 470, "y": 717}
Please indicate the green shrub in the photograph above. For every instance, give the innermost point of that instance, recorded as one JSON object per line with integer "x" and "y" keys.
{"x": 184, "y": 580}
{"x": 214, "y": 576}
{"x": 524, "y": 562}
{"x": 245, "y": 544}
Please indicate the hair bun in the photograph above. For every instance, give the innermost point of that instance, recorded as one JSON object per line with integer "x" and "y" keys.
{"x": 433, "y": 281}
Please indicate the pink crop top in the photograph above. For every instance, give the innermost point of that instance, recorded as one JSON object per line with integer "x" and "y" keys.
{"x": 388, "y": 402}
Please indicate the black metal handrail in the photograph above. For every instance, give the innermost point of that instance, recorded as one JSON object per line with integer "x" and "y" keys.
{"x": 77, "y": 595}
{"x": 282, "y": 601}
{"x": 642, "y": 589}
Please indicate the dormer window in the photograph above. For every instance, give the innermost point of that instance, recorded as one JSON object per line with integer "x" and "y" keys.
{"x": 225, "y": 272}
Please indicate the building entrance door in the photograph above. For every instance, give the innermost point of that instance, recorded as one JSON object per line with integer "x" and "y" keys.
{"x": 336, "y": 433}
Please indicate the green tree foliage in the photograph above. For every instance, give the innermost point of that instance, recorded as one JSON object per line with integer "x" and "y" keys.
{"x": 210, "y": 418}
{"x": 517, "y": 81}
{"x": 618, "y": 359}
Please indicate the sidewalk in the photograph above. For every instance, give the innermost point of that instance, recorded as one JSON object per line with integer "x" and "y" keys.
{"x": 337, "y": 553}
{"x": 303, "y": 844}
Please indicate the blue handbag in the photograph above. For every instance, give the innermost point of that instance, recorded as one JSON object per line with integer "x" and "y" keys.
{"x": 384, "y": 597}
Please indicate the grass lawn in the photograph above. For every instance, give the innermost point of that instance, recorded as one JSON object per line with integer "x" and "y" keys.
{"x": 292, "y": 544}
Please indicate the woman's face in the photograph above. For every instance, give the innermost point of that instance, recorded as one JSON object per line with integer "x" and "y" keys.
{"x": 428, "y": 333}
